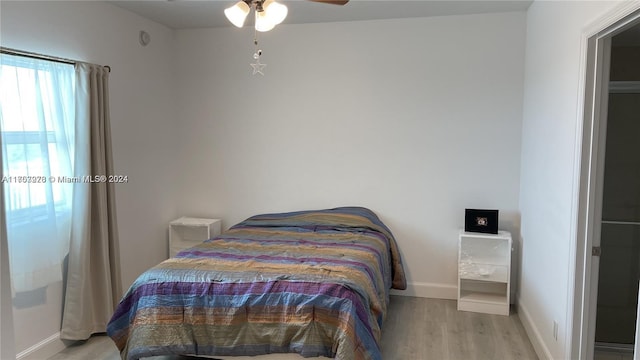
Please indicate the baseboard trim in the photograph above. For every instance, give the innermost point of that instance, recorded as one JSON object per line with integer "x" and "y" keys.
{"x": 429, "y": 290}
{"x": 532, "y": 331}
{"x": 44, "y": 349}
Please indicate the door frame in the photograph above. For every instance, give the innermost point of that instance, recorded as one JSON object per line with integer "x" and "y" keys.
{"x": 587, "y": 201}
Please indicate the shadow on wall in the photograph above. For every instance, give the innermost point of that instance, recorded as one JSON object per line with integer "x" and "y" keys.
{"x": 37, "y": 297}
{"x": 31, "y": 298}
{"x": 510, "y": 221}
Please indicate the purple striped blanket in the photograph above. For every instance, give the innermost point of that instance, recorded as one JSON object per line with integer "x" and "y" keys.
{"x": 310, "y": 282}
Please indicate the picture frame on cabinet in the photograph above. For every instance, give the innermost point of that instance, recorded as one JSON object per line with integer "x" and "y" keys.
{"x": 481, "y": 221}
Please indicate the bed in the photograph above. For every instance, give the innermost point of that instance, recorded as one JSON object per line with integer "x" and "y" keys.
{"x": 315, "y": 283}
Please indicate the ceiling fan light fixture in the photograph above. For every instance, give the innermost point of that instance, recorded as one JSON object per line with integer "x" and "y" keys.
{"x": 263, "y": 21}
{"x": 275, "y": 11}
{"x": 237, "y": 13}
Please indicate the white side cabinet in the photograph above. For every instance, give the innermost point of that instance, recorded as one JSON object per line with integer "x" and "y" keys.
{"x": 186, "y": 232}
{"x": 484, "y": 272}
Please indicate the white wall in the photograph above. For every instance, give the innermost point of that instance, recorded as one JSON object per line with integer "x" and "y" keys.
{"x": 416, "y": 119}
{"x": 548, "y": 176}
{"x": 142, "y": 121}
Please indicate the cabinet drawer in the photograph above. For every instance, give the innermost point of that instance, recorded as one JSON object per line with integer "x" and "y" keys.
{"x": 487, "y": 272}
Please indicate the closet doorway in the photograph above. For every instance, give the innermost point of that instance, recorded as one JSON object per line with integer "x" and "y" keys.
{"x": 619, "y": 268}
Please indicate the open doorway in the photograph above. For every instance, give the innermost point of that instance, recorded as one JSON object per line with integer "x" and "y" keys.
{"x": 597, "y": 221}
{"x": 619, "y": 269}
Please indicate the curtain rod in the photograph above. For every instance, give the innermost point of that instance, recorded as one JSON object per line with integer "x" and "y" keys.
{"x": 33, "y": 55}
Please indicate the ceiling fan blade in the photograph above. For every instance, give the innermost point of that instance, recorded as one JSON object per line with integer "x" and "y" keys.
{"x": 335, "y": 2}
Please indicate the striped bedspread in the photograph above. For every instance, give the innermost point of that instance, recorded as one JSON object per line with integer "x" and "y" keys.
{"x": 311, "y": 282}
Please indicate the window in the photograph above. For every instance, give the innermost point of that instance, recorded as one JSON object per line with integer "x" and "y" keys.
{"x": 37, "y": 115}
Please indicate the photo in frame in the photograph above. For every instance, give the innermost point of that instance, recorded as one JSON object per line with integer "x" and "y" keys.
{"x": 481, "y": 221}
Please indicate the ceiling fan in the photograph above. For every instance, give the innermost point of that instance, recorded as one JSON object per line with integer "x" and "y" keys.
{"x": 269, "y": 13}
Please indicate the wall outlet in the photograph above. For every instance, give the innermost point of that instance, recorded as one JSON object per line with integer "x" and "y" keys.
{"x": 555, "y": 330}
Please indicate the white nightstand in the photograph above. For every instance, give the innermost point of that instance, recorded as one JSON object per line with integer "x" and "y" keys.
{"x": 186, "y": 232}
{"x": 484, "y": 272}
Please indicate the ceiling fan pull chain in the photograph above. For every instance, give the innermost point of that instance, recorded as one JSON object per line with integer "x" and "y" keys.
{"x": 257, "y": 66}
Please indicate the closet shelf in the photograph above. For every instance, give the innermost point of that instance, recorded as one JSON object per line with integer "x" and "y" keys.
{"x": 624, "y": 87}
{"x": 612, "y": 222}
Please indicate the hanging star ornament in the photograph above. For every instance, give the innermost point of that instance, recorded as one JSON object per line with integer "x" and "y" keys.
{"x": 257, "y": 66}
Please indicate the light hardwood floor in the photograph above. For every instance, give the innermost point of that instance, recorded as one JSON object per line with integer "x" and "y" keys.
{"x": 416, "y": 328}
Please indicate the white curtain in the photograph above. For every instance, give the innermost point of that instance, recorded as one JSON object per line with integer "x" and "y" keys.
{"x": 54, "y": 121}
{"x": 93, "y": 275}
{"x": 37, "y": 116}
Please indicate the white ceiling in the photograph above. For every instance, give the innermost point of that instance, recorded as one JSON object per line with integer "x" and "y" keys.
{"x": 186, "y": 14}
